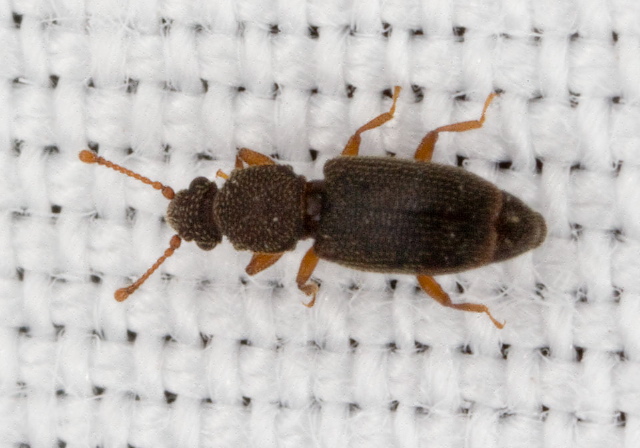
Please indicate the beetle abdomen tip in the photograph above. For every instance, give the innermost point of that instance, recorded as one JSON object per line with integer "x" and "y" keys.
{"x": 519, "y": 228}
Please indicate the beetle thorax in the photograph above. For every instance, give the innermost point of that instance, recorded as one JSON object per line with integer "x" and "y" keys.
{"x": 261, "y": 208}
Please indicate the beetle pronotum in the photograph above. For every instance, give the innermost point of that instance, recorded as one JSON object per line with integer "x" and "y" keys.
{"x": 370, "y": 213}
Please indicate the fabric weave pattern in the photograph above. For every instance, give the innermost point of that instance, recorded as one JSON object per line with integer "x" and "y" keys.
{"x": 203, "y": 355}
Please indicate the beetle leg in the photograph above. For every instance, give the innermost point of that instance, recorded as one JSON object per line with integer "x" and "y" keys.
{"x": 428, "y": 143}
{"x": 353, "y": 145}
{"x": 261, "y": 261}
{"x": 252, "y": 158}
{"x": 432, "y": 288}
{"x": 308, "y": 264}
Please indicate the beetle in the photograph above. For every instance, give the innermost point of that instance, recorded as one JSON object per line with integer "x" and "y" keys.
{"x": 378, "y": 214}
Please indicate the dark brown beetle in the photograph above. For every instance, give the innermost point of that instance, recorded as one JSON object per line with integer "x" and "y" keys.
{"x": 370, "y": 213}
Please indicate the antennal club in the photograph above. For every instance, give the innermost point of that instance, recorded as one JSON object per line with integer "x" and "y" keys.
{"x": 90, "y": 157}
{"x": 123, "y": 293}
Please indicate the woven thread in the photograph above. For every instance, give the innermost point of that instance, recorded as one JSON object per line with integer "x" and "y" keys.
{"x": 203, "y": 355}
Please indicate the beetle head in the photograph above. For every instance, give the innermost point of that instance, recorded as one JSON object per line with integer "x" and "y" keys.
{"x": 190, "y": 214}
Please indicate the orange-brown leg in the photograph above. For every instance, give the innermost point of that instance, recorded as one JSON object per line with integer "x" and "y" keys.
{"x": 431, "y": 287}
{"x": 239, "y": 163}
{"x": 353, "y": 145}
{"x": 261, "y": 261}
{"x": 308, "y": 264}
{"x": 252, "y": 158}
{"x": 428, "y": 143}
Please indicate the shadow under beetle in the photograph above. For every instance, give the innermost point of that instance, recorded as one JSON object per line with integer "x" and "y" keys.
{"x": 370, "y": 213}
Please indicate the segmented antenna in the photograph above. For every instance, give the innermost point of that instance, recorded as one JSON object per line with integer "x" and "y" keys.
{"x": 90, "y": 157}
{"x": 123, "y": 293}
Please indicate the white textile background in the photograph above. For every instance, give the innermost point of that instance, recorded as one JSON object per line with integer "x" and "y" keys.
{"x": 203, "y": 355}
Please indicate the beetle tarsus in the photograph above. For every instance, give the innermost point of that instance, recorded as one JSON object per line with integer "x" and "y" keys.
{"x": 310, "y": 289}
{"x": 307, "y": 265}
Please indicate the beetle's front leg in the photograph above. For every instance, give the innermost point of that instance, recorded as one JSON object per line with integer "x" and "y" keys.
{"x": 261, "y": 261}
{"x": 308, "y": 264}
{"x": 428, "y": 143}
{"x": 252, "y": 158}
{"x": 353, "y": 145}
{"x": 432, "y": 288}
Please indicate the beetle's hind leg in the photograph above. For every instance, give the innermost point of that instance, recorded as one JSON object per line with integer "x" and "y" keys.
{"x": 353, "y": 145}
{"x": 432, "y": 288}
{"x": 428, "y": 143}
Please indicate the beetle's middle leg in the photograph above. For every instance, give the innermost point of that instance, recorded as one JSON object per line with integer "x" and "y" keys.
{"x": 353, "y": 145}
{"x": 428, "y": 143}
{"x": 432, "y": 288}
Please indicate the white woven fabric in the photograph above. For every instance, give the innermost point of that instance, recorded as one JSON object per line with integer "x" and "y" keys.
{"x": 205, "y": 356}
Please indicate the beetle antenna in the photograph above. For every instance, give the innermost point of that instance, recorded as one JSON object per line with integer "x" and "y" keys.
{"x": 123, "y": 293}
{"x": 90, "y": 157}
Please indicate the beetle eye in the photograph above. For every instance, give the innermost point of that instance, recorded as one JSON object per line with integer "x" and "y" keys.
{"x": 197, "y": 182}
